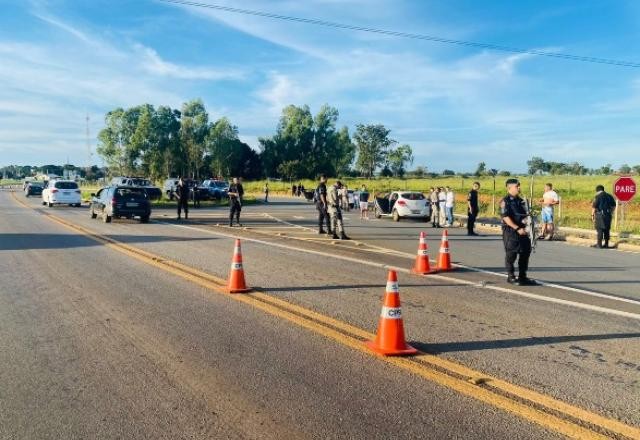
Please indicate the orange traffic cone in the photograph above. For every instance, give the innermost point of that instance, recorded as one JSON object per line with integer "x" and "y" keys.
{"x": 444, "y": 257}
{"x": 236, "y": 274}
{"x": 422, "y": 266}
{"x": 390, "y": 338}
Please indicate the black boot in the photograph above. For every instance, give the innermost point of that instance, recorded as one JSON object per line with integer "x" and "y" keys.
{"x": 343, "y": 236}
{"x": 335, "y": 236}
{"x": 322, "y": 231}
{"x": 511, "y": 279}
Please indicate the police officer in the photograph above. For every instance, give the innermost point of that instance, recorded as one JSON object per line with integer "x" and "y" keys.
{"x": 182, "y": 193}
{"x": 320, "y": 197}
{"x": 601, "y": 212}
{"x": 333, "y": 200}
{"x": 235, "y": 201}
{"x": 517, "y": 244}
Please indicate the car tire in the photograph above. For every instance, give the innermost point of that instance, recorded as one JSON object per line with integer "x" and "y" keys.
{"x": 396, "y": 216}
{"x": 93, "y": 213}
{"x": 50, "y": 205}
{"x": 106, "y": 218}
{"x": 78, "y": 205}
{"x": 44, "y": 203}
{"x": 144, "y": 219}
{"x": 377, "y": 213}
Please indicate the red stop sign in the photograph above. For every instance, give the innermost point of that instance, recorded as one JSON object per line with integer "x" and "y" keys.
{"x": 624, "y": 188}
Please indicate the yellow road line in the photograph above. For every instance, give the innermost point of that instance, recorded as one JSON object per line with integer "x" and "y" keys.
{"x": 352, "y": 337}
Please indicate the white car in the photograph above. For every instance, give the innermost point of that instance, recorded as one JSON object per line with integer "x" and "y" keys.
{"x": 61, "y": 192}
{"x": 402, "y": 204}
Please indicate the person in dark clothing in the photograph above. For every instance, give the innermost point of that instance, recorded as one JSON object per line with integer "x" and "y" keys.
{"x": 235, "y": 201}
{"x": 473, "y": 208}
{"x": 320, "y": 198}
{"x": 182, "y": 194}
{"x": 601, "y": 212}
{"x": 517, "y": 244}
{"x": 195, "y": 193}
{"x": 294, "y": 190}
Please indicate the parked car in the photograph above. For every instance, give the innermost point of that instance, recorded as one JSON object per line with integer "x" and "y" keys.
{"x": 153, "y": 192}
{"x": 169, "y": 188}
{"x": 402, "y": 204}
{"x": 212, "y": 189}
{"x": 33, "y": 188}
{"x": 118, "y": 201}
{"x": 61, "y": 192}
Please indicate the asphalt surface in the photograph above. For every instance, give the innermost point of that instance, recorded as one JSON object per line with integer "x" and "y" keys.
{"x": 95, "y": 344}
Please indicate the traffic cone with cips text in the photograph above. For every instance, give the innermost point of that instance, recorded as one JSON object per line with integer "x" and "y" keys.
{"x": 444, "y": 257}
{"x": 422, "y": 266}
{"x": 390, "y": 338}
{"x": 236, "y": 283}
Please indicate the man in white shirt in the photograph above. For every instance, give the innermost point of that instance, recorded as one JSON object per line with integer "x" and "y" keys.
{"x": 450, "y": 198}
{"x": 442, "y": 201}
{"x": 549, "y": 200}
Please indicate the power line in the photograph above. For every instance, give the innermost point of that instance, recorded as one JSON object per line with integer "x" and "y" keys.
{"x": 436, "y": 39}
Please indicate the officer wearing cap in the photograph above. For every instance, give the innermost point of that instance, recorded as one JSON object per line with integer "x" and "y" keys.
{"x": 517, "y": 244}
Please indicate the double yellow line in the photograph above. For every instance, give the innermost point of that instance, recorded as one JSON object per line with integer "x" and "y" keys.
{"x": 553, "y": 414}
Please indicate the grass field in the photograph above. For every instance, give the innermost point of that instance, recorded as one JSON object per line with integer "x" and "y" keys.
{"x": 576, "y": 193}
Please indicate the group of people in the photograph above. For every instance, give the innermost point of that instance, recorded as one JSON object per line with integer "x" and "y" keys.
{"x": 442, "y": 201}
{"x": 235, "y": 194}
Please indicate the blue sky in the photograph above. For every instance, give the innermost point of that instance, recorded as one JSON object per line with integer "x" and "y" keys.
{"x": 456, "y": 106}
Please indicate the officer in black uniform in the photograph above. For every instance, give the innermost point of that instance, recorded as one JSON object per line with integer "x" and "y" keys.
{"x": 601, "y": 212}
{"x": 182, "y": 193}
{"x": 517, "y": 244}
{"x": 235, "y": 201}
{"x": 322, "y": 206}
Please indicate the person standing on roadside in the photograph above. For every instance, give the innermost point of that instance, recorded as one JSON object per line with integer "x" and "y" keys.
{"x": 320, "y": 197}
{"x": 473, "y": 208}
{"x": 433, "y": 199}
{"x": 517, "y": 244}
{"x": 266, "y": 192}
{"x": 235, "y": 201}
{"x": 601, "y": 213}
{"x": 364, "y": 203}
{"x": 333, "y": 200}
{"x": 549, "y": 200}
{"x": 182, "y": 194}
{"x": 442, "y": 206}
{"x": 450, "y": 199}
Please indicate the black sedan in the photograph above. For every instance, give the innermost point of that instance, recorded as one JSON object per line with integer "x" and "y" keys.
{"x": 33, "y": 189}
{"x": 120, "y": 201}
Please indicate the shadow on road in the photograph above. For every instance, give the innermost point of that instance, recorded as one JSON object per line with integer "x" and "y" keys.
{"x": 19, "y": 242}
{"x": 449, "y": 347}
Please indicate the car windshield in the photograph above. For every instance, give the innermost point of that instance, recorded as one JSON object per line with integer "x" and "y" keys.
{"x": 138, "y": 193}
{"x": 35, "y": 183}
{"x": 413, "y": 196}
{"x": 66, "y": 185}
{"x": 220, "y": 184}
{"x": 141, "y": 182}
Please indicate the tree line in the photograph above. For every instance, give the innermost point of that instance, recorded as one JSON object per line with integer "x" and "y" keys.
{"x": 537, "y": 165}
{"x": 161, "y": 142}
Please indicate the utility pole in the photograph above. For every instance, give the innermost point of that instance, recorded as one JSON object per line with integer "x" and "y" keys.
{"x": 89, "y": 153}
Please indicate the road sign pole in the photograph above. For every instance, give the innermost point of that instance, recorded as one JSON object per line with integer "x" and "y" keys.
{"x": 615, "y": 220}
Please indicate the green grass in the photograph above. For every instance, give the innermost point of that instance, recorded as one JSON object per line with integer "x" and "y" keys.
{"x": 10, "y": 182}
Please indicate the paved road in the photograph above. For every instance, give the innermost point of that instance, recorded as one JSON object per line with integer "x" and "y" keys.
{"x": 96, "y": 344}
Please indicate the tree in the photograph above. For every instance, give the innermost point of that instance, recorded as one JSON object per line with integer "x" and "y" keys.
{"x": 624, "y": 169}
{"x": 536, "y": 165}
{"x": 636, "y": 169}
{"x": 480, "y": 170}
{"x": 193, "y": 130}
{"x": 448, "y": 173}
{"x": 493, "y": 172}
{"x": 111, "y": 142}
{"x": 420, "y": 171}
{"x": 605, "y": 170}
{"x": 504, "y": 173}
{"x": 344, "y": 152}
{"x": 372, "y": 143}
{"x": 397, "y": 159}
{"x": 220, "y": 142}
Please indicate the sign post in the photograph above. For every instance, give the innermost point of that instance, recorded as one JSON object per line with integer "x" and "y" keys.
{"x": 624, "y": 189}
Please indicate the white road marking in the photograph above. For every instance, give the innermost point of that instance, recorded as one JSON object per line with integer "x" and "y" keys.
{"x": 574, "y": 304}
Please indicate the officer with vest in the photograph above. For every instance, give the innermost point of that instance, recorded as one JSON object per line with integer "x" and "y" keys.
{"x": 320, "y": 198}
{"x": 601, "y": 212}
{"x": 517, "y": 244}
{"x": 235, "y": 193}
{"x": 333, "y": 201}
{"x": 182, "y": 194}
